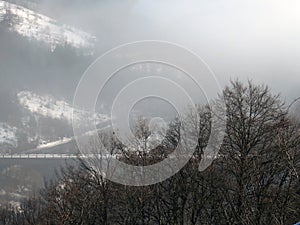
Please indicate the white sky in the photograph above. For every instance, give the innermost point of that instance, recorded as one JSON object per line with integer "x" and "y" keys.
{"x": 255, "y": 39}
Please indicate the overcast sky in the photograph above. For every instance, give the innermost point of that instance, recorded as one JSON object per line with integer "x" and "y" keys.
{"x": 252, "y": 39}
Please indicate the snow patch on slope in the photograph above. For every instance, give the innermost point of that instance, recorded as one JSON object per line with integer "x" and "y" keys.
{"x": 54, "y": 143}
{"x": 57, "y": 109}
{"x": 42, "y": 28}
{"x": 8, "y": 134}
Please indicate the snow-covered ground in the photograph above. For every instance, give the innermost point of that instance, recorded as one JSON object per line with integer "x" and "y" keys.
{"x": 8, "y": 134}
{"x": 37, "y": 26}
{"x": 54, "y": 143}
{"x": 57, "y": 109}
{"x": 49, "y": 107}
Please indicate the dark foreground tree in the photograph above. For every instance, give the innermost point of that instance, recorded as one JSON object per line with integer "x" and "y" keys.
{"x": 254, "y": 180}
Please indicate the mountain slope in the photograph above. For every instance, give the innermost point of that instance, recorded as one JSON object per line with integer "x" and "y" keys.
{"x": 8, "y": 134}
{"x": 48, "y": 106}
{"x": 42, "y": 28}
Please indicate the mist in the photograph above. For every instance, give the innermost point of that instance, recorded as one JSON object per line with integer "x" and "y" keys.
{"x": 65, "y": 79}
{"x": 257, "y": 40}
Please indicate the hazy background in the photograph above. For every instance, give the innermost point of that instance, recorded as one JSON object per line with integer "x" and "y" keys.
{"x": 251, "y": 39}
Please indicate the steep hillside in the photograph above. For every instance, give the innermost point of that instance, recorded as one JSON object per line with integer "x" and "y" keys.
{"x": 42, "y": 28}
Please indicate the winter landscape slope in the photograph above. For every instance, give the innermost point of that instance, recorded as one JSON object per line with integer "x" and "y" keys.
{"x": 42, "y": 28}
{"x": 46, "y": 123}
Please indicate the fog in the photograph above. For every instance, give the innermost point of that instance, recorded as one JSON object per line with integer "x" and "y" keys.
{"x": 253, "y": 39}
{"x": 257, "y": 40}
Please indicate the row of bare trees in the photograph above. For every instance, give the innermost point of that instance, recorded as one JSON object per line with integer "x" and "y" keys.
{"x": 254, "y": 180}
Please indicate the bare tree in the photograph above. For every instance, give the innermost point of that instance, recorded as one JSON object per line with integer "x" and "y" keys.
{"x": 253, "y": 180}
